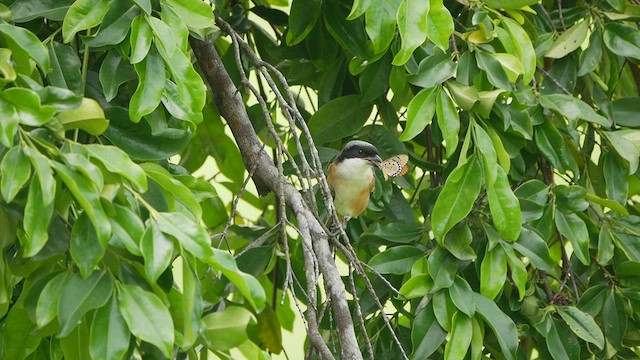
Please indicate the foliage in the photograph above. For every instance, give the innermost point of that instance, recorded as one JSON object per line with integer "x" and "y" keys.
{"x": 515, "y": 235}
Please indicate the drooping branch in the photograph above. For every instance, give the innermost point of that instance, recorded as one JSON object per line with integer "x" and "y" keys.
{"x": 315, "y": 239}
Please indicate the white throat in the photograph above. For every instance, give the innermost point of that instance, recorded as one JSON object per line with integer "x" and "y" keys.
{"x": 354, "y": 169}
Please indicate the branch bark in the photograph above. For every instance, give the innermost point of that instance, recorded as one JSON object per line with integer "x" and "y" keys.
{"x": 315, "y": 239}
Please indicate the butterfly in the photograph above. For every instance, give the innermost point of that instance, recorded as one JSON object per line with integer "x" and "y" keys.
{"x": 394, "y": 166}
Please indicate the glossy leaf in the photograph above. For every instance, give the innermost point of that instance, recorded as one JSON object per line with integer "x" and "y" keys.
{"x": 115, "y": 26}
{"x": 174, "y": 187}
{"x": 505, "y": 208}
{"x": 224, "y": 330}
{"x": 614, "y": 319}
{"x": 109, "y": 333}
{"x": 197, "y": 15}
{"x": 380, "y": 20}
{"x": 65, "y": 68}
{"x": 85, "y": 194}
{"x": 37, "y": 217}
{"x": 569, "y": 41}
{"x": 457, "y": 197}
{"x": 55, "y": 10}
{"x": 339, "y": 118}
{"x": 396, "y": 260}
{"x": 493, "y": 272}
{"x": 412, "y": 25}
{"x": 22, "y": 40}
{"x": 420, "y": 112}
{"x": 439, "y": 24}
{"x": 47, "y": 307}
{"x": 501, "y": 324}
{"x": 80, "y": 296}
{"x": 462, "y": 296}
{"x": 303, "y": 16}
{"x": 15, "y": 170}
{"x": 426, "y": 333}
{"x": 117, "y": 161}
{"x": 26, "y": 106}
{"x": 82, "y": 15}
{"x": 523, "y": 48}
{"x": 147, "y": 317}
{"x": 574, "y": 228}
{"x": 442, "y": 268}
{"x": 460, "y": 340}
{"x": 88, "y": 117}
{"x": 114, "y": 72}
{"x": 141, "y": 38}
{"x": 151, "y": 85}
{"x": 622, "y": 39}
{"x": 582, "y": 325}
{"x": 448, "y": 121}
{"x": 85, "y": 248}
{"x": 157, "y": 251}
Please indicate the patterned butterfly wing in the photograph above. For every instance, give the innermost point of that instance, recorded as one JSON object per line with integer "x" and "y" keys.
{"x": 395, "y": 166}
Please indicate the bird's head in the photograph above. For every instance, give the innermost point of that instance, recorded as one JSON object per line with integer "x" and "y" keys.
{"x": 357, "y": 149}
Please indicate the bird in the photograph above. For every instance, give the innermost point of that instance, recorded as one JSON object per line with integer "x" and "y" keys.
{"x": 352, "y": 179}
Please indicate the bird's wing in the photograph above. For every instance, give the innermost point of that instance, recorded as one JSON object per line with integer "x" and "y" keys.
{"x": 372, "y": 185}
{"x": 331, "y": 177}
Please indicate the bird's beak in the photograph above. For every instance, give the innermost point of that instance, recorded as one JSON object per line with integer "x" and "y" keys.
{"x": 376, "y": 160}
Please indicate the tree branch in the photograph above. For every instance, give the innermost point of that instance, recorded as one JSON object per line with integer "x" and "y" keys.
{"x": 231, "y": 107}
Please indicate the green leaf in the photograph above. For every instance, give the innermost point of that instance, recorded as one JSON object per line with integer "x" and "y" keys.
{"x": 189, "y": 235}
{"x": 461, "y": 332}
{"x": 196, "y": 14}
{"x": 82, "y": 15}
{"x": 502, "y": 325}
{"x": 269, "y": 330}
{"x": 442, "y": 268}
{"x": 485, "y": 147}
{"x": 439, "y": 24}
{"x": 302, "y": 18}
{"x": 114, "y": 72}
{"x": 582, "y": 324}
{"x": 509, "y": 4}
{"x": 37, "y": 217}
{"x": 622, "y": 39}
{"x": 552, "y": 146}
{"x": 150, "y": 88}
{"x": 456, "y": 199}
{"x": 591, "y": 56}
{"x": 420, "y": 112}
{"x": 523, "y": 47}
{"x": 397, "y": 231}
{"x": 492, "y": 67}
{"x": 457, "y": 241}
{"x": 18, "y": 340}
{"x": 518, "y": 270}
{"x": 625, "y": 148}
{"x": 65, "y": 68}
{"x": 434, "y": 70}
{"x": 448, "y": 121}
{"x": 358, "y": 8}
{"x": 380, "y": 20}
{"x": 140, "y": 141}
{"x": 617, "y": 184}
{"x": 117, "y": 161}
{"x": 174, "y": 187}
{"x": 224, "y": 330}
{"x": 248, "y": 286}
{"x": 412, "y": 20}
{"x": 85, "y": 248}
{"x": 462, "y": 296}
{"x": 24, "y": 42}
{"x": 47, "y": 307}
{"x": 339, "y": 118}
{"x": 417, "y": 286}
{"x": 572, "y": 227}
{"x": 81, "y": 295}
{"x": 374, "y": 80}
{"x": 625, "y": 110}
{"x": 147, "y": 317}
{"x": 531, "y": 245}
{"x": 127, "y": 228}
{"x": 28, "y": 10}
{"x": 157, "y": 251}
{"x": 88, "y": 117}
{"x": 426, "y": 333}
{"x": 569, "y": 41}
{"x": 75, "y": 345}
{"x": 115, "y": 25}
{"x": 493, "y": 272}
{"x": 60, "y": 98}
{"x": 141, "y": 38}
{"x": 605, "y": 245}
{"x": 109, "y": 333}
{"x": 504, "y": 206}
{"x": 396, "y": 260}
{"x": 560, "y": 341}
{"x": 573, "y": 109}
{"x": 9, "y": 124}
{"x": 614, "y": 319}
{"x": 15, "y": 170}
{"x": 26, "y": 106}
{"x": 349, "y": 34}
{"x": 86, "y": 196}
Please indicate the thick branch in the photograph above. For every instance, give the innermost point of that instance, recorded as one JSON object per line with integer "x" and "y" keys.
{"x": 232, "y": 108}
